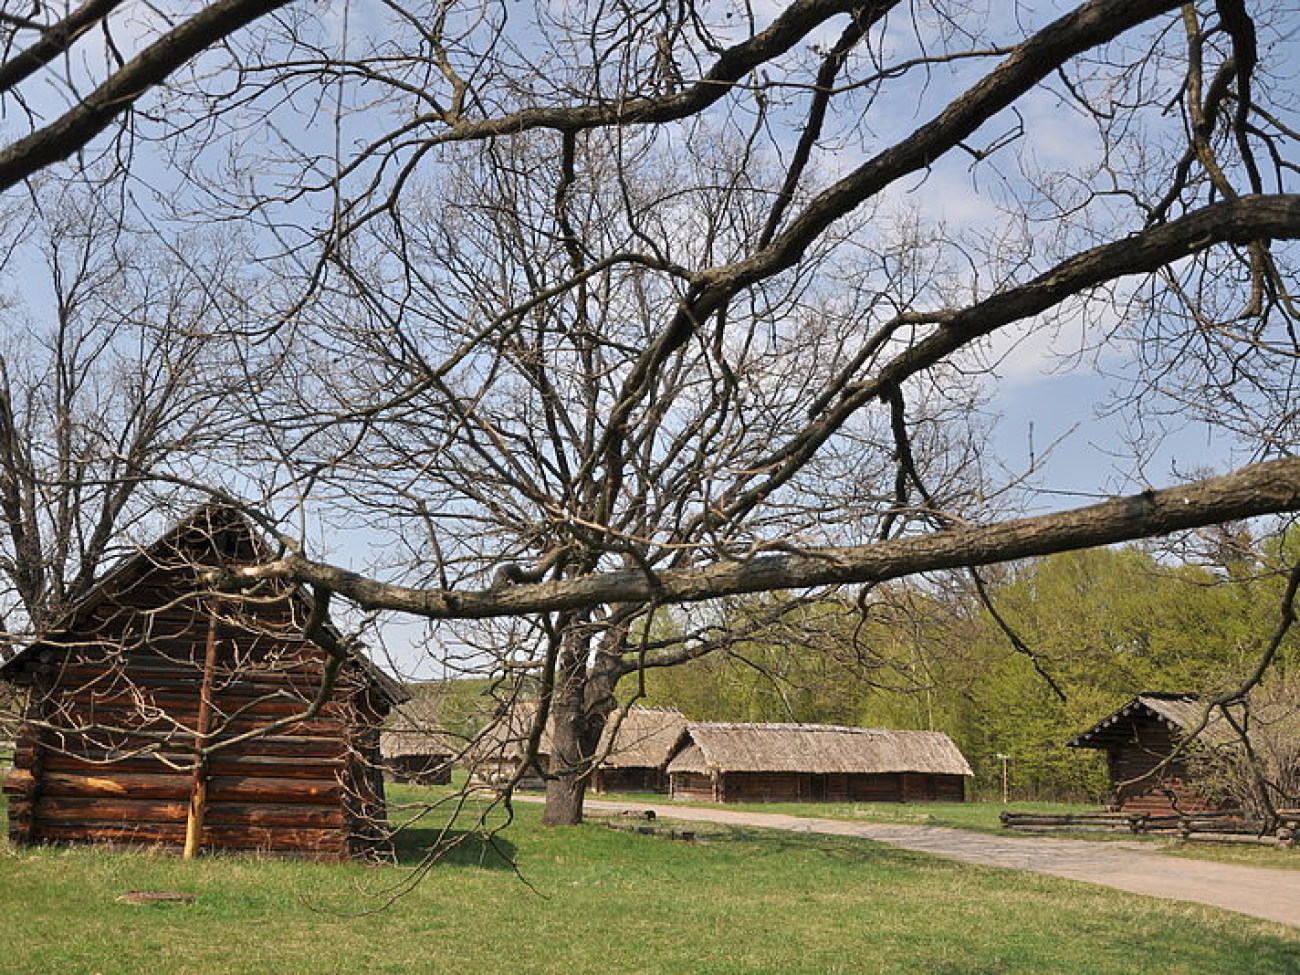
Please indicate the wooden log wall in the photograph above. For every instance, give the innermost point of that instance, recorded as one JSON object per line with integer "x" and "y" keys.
{"x": 692, "y": 785}
{"x": 115, "y": 760}
{"x": 629, "y": 780}
{"x": 810, "y": 787}
{"x": 1133, "y": 762}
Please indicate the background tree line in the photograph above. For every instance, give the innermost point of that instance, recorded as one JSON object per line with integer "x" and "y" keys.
{"x": 1104, "y": 624}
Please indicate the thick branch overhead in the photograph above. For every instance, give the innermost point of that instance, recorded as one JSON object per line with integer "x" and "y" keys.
{"x": 1260, "y": 489}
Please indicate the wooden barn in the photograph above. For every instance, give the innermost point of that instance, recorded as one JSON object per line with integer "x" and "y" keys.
{"x": 816, "y": 763}
{"x": 1138, "y": 738}
{"x": 415, "y": 750}
{"x": 160, "y": 712}
{"x": 642, "y": 745}
{"x": 500, "y": 751}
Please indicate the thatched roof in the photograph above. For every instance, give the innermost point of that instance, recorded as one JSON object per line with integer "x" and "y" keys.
{"x": 1180, "y": 713}
{"x": 413, "y": 728}
{"x": 820, "y": 749}
{"x": 506, "y": 737}
{"x": 646, "y": 738}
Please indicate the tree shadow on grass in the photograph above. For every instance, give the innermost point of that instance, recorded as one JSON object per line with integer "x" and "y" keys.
{"x": 453, "y": 847}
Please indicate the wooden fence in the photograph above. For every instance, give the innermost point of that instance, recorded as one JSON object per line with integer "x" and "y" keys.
{"x": 1231, "y": 826}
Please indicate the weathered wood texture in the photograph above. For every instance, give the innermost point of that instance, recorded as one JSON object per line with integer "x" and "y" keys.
{"x": 114, "y": 747}
{"x": 812, "y": 787}
{"x": 1140, "y": 741}
{"x": 629, "y": 780}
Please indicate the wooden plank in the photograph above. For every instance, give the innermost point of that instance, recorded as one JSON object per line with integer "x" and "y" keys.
{"x": 19, "y": 782}
{"x": 108, "y": 812}
{"x": 165, "y": 786}
{"x": 221, "y": 764}
{"x": 249, "y": 838}
{"x": 184, "y": 707}
{"x": 232, "y": 788}
{"x": 224, "y": 788}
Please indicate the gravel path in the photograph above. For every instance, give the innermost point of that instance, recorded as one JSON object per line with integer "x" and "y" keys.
{"x": 1258, "y": 891}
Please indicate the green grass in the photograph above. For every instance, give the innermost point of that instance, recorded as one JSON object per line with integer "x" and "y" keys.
{"x": 595, "y": 899}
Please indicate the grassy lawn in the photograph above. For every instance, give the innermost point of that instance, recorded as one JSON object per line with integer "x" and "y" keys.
{"x": 594, "y": 899}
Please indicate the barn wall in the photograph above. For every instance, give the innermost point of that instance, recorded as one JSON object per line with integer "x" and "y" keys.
{"x": 810, "y": 787}
{"x": 1149, "y": 743}
{"x": 881, "y": 787}
{"x": 691, "y": 785}
{"x": 765, "y": 786}
{"x": 131, "y": 688}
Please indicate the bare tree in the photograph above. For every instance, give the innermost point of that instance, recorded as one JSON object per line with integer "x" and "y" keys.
{"x": 608, "y": 307}
{"x": 108, "y": 385}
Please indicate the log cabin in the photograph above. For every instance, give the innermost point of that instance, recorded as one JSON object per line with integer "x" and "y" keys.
{"x": 635, "y": 750}
{"x": 499, "y": 755}
{"x": 816, "y": 763}
{"x": 1140, "y": 739}
{"x": 414, "y": 748}
{"x": 163, "y": 712}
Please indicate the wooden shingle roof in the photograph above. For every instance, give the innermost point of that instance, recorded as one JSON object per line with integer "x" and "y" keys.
{"x": 821, "y": 749}
{"x": 1180, "y": 713}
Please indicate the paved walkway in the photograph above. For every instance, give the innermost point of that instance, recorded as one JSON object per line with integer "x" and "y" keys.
{"x": 1126, "y": 865}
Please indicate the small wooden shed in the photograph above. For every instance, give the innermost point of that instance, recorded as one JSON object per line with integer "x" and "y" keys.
{"x": 816, "y": 763}
{"x": 152, "y": 668}
{"x": 642, "y": 745}
{"x": 415, "y": 750}
{"x": 499, "y": 752}
{"x": 1142, "y": 735}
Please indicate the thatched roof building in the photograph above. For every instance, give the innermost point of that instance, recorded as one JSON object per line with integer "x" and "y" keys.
{"x": 414, "y": 747}
{"x": 499, "y": 752}
{"x": 636, "y": 750}
{"x": 162, "y": 712}
{"x": 796, "y": 762}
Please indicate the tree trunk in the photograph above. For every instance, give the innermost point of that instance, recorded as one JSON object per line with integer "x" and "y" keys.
{"x": 564, "y": 799}
{"x": 580, "y": 703}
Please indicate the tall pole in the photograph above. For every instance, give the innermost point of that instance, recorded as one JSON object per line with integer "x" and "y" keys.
{"x": 1006, "y": 779}
{"x": 199, "y": 779}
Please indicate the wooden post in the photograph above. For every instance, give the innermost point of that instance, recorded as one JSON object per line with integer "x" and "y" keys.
{"x": 199, "y": 781}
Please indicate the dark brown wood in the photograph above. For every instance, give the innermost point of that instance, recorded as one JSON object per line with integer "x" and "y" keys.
{"x": 808, "y": 787}
{"x": 145, "y": 695}
{"x": 199, "y": 777}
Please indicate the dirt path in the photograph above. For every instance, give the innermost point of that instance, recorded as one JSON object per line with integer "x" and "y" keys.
{"x": 1257, "y": 891}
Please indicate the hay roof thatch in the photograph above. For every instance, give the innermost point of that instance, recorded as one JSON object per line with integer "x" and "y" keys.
{"x": 646, "y": 738}
{"x": 1180, "y": 713}
{"x": 414, "y": 728}
{"x": 506, "y": 736}
{"x": 820, "y": 749}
